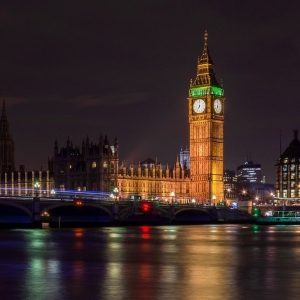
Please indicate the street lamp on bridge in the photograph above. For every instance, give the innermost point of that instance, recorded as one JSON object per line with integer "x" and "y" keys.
{"x": 172, "y": 194}
{"x": 214, "y": 199}
{"x": 37, "y": 187}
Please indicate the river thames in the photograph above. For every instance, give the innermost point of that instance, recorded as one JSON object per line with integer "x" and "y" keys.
{"x": 151, "y": 262}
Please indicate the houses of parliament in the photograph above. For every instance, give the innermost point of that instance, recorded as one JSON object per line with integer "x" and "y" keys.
{"x": 196, "y": 174}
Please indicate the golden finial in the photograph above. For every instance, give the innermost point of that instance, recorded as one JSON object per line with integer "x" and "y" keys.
{"x": 205, "y": 37}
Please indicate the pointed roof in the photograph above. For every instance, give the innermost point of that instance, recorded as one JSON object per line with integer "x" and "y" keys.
{"x": 3, "y": 115}
{"x": 292, "y": 151}
{"x": 205, "y": 81}
{"x": 4, "y": 125}
{"x": 205, "y": 57}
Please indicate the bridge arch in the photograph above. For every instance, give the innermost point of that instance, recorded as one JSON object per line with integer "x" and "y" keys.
{"x": 188, "y": 214}
{"x": 18, "y": 206}
{"x": 70, "y": 212}
{"x": 14, "y": 213}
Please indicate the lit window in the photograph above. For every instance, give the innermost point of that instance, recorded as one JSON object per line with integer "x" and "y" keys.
{"x": 292, "y": 184}
{"x": 105, "y": 164}
{"x": 94, "y": 165}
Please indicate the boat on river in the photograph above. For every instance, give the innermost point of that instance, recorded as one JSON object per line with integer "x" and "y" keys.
{"x": 280, "y": 217}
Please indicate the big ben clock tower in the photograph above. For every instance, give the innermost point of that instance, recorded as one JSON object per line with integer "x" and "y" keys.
{"x": 206, "y": 119}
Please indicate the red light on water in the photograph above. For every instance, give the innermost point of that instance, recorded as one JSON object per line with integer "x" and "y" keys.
{"x": 145, "y": 229}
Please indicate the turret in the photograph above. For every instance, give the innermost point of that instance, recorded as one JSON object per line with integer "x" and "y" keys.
{"x": 146, "y": 171}
{"x": 116, "y": 148}
{"x": 105, "y": 148}
{"x": 167, "y": 171}
{"x": 131, "y": 170}
{"x": 177, "y": 168}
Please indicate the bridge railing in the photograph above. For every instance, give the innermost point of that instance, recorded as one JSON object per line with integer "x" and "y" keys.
{"x": 283, "y": 213}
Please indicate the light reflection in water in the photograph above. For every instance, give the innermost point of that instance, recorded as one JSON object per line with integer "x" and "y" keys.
{"x": 176, "y": 262}
{"x": 145, "y": 232}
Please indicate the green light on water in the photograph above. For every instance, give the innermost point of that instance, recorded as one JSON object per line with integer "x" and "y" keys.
{"x": 206, "y": 90}
{"x": 255, "y": 228}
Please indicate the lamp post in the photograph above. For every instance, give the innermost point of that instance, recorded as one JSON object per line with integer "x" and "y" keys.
{"x": 244, "y": 194}
{"x": 172, "y": 194}
{"x": 115, "y": 192}
{"x": 272, "y": 197}
{"x": 37, "y": 187}
{"x": 228, "y": 192}
{"x": 214, "y": 199}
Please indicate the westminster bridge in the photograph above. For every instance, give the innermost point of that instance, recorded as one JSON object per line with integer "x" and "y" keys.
{"x": 37, "y": 211}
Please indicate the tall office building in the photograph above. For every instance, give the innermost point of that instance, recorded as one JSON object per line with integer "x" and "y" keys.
{"x": 249, "y": 172}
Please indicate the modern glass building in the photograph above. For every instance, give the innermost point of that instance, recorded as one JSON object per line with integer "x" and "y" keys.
{"x": 249, "y": 172}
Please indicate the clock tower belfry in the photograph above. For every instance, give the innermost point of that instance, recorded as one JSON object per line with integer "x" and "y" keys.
{"x": 206, "y": 119}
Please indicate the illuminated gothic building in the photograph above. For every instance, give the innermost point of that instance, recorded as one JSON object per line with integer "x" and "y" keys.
{"x": 206, "y": 119}
{"x": 20, "y": 182}
{"x": 288, "y": 171}
{"x": 150, "y": 179}
{"x": 93, "y": 167}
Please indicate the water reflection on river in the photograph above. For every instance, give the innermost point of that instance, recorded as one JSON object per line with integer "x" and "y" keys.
{"x": 164, "y": 262}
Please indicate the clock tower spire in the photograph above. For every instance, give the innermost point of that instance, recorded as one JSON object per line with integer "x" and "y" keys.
{"x": 206, "y": 119}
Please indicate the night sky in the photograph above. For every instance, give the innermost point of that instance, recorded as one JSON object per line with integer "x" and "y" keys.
{"x": 122, "y": 68}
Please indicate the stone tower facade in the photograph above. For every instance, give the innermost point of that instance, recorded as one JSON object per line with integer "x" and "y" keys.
{"x": 206, "y": 119}
{"x": 7, "y": 150}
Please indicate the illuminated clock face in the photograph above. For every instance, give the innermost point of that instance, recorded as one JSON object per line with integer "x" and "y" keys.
{"x": 217, "y": 106}
{"x": 199, "y": 106}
